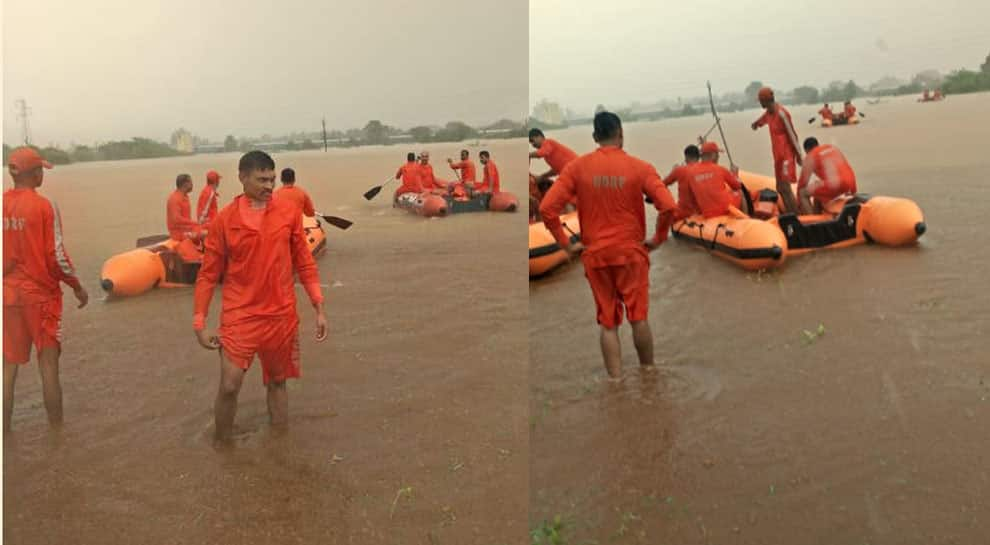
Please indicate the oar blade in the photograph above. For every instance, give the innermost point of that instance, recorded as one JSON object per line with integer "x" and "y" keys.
{"x": 373, "y": 192}
{"x": 150, "y": 240}
{"x": 339, "y": 223}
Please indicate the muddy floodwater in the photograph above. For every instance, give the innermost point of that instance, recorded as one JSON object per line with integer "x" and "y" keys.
{"x": 875, "y": 432}
{"x": 409, "y": 425}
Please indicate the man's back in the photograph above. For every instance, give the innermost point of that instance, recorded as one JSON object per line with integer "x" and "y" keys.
{"x": 34, "y": 259}
{"x": 299, "y": 197}
{"x": 710, "y": 184}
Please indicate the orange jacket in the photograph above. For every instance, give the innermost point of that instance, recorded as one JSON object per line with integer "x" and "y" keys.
{"x": 208, "y": 204}
{"x": 177, "y": 216}
{"x": 556, "y": 154}
{"x": 298, "y": 197}
{"x": 710, "y": 184}
{"x": 826, "y": 113}
{"x": 409, "y": 174}
{"x": 256, "y": 263}
{"x": 429, "y": 180}
{"x": 609, "y": 185}
{"x": 490, "y": 183}
{"x": 828, "y": 163}
{"x": 783, "y": 137}
{"x": 467, "y": 170}
{"x": 34, "y": 256}
{"x": 686, "y": 203}
{"x": 850, "y": 110}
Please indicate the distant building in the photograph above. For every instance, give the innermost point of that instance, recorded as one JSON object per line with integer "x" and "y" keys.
{"x": 183, "y": 140}
{"x": 548, "y": 112}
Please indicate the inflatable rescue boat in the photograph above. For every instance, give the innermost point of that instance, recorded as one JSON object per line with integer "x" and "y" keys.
{"x": 840, "y": 120}
{"x": 544, "y": 252}
{"x": 159, "y": 265}
{"x": 434, "y": 205}
{"x": 765, "y": 241}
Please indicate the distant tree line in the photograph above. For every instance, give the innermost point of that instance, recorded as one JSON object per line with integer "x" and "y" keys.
{"x": 135, "y": 148}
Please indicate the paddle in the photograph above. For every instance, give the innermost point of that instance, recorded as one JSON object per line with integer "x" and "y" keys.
{"x": 718, "y": 122}
{"x": 371, "y": 193}
{"x": 339, "y": 223}
{"x": 148, "y": 241}
{"x": 812, "y": 120}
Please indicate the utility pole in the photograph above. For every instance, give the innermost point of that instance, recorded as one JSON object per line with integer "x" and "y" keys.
{"x": 22, "y": 113}
{"x": 324, "y": 134}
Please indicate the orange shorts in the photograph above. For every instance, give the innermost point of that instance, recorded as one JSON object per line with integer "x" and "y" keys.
{"x": 785, "y": 168}
{"x": 274, "y": 340}
{"x": 618, "y": 286}
{"x": 38, "y": 324}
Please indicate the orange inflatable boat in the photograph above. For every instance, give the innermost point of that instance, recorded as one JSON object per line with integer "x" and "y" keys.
{"x": 433, "y": 205}
{"x": 756, "y": 244}
{"x": 840, "y": 120}
{"x": 544, "y": 252}
{"x": 159, "y": 265}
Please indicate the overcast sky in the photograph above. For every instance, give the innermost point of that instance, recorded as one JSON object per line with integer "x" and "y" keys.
{"x": 586, "y": 52}
{"x": 113, "y": 69}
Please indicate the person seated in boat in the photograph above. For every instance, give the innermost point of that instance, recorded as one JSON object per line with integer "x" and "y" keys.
{"x": 490, "y": 182}
{"x": 553, "y": 152}
{"x": 826, "y": 113}
{"x": 833, "y": 176}
{"x": 686, "y": 205}
{"x": 294, "y": 193}
{"x": 849, "y": 110}
{"x": 178, "y": 219}
{"x": 409, "y": 174}
{"x": 938, "y": 95}
{"x": 428, "y": 180}
{"x": 465, "y": 167}
{"x": 713, "y": 187}
{"x": 926, "y": 95}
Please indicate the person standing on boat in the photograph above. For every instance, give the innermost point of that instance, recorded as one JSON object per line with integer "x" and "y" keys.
{"x": 490, "y": 182}
{"x": 409, "y": 174}
{"x": 258, "y": 246}
{"x": 714, "y": 187}
{"x": 610, "y": 184}
{"x": 553, "y": 152}
{"x": 833, "y": 176}
{"x": 181, "y": 227}
{"x": 784, "y": 144}
{"x": 294, "y": 193}
{"x": 465, "y": 166}
{"x": 826, "y": 113}
{"x": 34, "y": 264}
{"x": 209, "y": 199}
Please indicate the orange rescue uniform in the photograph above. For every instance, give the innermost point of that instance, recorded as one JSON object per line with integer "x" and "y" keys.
{"x": 850, "y": 111}
{"x": 686, "y": 205}
{"x": 256, "y": 252}
{"x": 177, "y": 216}
{"x": 208, "y": 204}
{"x": 409, "y": 174}
{"x": 467, "y": 170}
{"x": 556, "y": 154}
{"x": 491, "y": 182}
{"x": 834, "y": 175}
{"x": 826, "y": 113}
{"x": 783, "y": 141}
{"x": 429, "y": 180}
{"x": 710, "y": 185}
{"x": 609, "y": 185}
{"x": 299, "y": 197}
{"x": 34, "y": 262}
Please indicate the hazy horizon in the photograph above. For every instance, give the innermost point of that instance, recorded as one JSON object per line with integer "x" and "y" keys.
{"x": 123, "y": 69}
{"x": 585, "y": 53}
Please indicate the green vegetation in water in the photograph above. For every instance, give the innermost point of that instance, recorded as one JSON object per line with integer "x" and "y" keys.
{"x": 549, "y": 532}
{"x": 809, "y": 337}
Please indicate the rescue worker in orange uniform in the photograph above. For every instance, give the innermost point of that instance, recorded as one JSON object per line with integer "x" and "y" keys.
{"x": 427, "y": 179}
{"x": 209, "y": 199}
{"x": 713, "y": 186}
{"x": 849, "y": 110}
{"x": 610, "y": 185}
{"x": 686, "y": 206}
{"x": 34, "y": 263}
{"x": 491, "y": 182}
{"x": 409, "y": 174}
{"x": 553, "y": 152}
{"x": 784, "y": 144}
{"x": 181, "y": 227}
{"x": 294, "y": 193}
{"x": 257, "y": 245}
{"x": 833, "y": 176}
{"x": 826, "y": 113}
{"x": 465, "y": 167}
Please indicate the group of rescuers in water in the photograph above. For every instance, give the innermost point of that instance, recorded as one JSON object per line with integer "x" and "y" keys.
{"x": 607, "y": 187}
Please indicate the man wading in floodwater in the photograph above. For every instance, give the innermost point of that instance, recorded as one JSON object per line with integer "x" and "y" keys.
{"x": 609, "y": 185}
{"x": 256, "y": 243}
